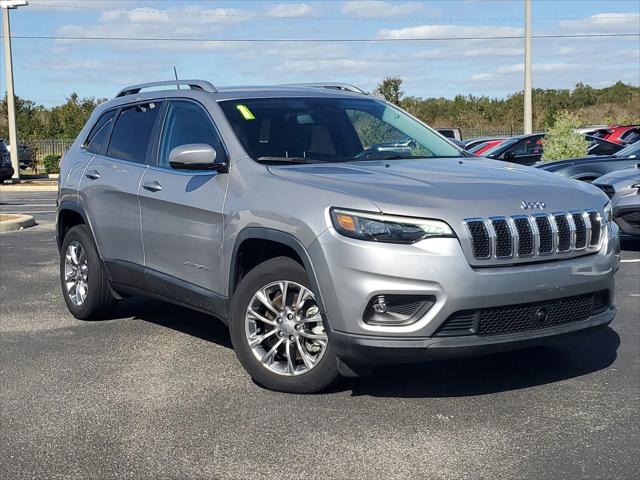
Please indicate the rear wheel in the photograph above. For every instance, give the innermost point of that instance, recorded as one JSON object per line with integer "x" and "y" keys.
{"x": 277, "y": 329}
{"x": 82, "y": 276}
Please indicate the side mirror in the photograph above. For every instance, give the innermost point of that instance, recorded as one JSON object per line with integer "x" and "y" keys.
{"x": 509, "y": 155}
{"x": 195, "y": 156}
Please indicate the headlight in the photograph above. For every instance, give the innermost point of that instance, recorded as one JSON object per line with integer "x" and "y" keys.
{"x": 387, "y": 228}
{"x": 608, "y": 212}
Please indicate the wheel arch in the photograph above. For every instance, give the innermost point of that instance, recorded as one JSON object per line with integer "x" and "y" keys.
{"x": 69, "y": 215}
{"x": 586, "y": 176}
{"x": 286, "y": 240}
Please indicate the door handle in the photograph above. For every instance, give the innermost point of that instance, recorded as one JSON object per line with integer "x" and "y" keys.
{"x": 152, "y": 186}
{"x": 92, "y": 174}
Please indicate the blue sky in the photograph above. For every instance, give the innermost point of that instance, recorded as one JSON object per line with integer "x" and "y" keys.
{"x": 48, "y": 70}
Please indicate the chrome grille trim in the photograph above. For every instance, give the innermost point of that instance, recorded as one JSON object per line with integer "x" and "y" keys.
{"x": 537, "y": 226}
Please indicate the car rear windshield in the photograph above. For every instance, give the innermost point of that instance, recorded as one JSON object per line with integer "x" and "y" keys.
{"x": 331, "y": 130}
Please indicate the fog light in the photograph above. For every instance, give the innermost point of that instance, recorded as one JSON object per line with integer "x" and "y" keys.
{"x": 397, "y": 309}
{"x": 379, "y": 305}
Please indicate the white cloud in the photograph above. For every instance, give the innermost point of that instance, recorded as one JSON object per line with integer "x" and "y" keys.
{"x": 372, "y": 8}
{"x": 604, "y": 23}
{"x": 542, "y": 68}
{"x": 291, "y": 10}
{"x": 178, "y": 18}
{"x": 144, "y": 22}
{"x": 443, "y": 31}
{"x": 76, "y": 4}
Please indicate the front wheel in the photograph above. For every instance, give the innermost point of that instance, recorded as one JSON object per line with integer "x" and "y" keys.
{"x": 84, "y": 282}
{"x": 278, "y": 332}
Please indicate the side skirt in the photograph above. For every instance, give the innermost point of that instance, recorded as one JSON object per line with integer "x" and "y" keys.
{"x": 128, "y": 278}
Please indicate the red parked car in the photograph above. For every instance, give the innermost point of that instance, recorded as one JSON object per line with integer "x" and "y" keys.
{"x": 483, "y": 147}
{"x": 621, "y": 134}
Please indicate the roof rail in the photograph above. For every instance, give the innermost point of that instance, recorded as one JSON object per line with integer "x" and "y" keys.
{"x": 332, "y": 86}
{"x": 201, "y": 85}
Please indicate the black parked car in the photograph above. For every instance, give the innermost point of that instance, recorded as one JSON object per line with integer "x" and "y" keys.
{"x": 6, "y": 170}
{"x": 589, "y": 168}
{"x": 523, "y": 149}
{"x": 600, "y": 146}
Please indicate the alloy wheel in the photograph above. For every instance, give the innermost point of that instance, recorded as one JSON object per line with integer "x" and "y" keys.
{"x": 76, "y": 273}
{"x": 284, "y": 328}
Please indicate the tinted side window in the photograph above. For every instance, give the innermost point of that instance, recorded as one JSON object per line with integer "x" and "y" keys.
{"x": 132, "y": 132}
{"x": 186, "y": 123}
{"x": 99, "y": 136}
{"x": 530, "y": 146}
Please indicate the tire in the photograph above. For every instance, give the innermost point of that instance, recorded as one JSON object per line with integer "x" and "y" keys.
{"x": 98, "y": 301}
{"x": 319, "y": 367}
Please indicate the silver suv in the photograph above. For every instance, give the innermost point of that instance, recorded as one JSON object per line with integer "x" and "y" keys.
{"x": 329, "y": 229}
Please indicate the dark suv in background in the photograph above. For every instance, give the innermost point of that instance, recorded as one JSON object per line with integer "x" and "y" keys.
{"x": 6, "y": 170}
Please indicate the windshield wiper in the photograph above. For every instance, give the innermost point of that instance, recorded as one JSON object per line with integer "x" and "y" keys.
{"x": 287, "y": 160}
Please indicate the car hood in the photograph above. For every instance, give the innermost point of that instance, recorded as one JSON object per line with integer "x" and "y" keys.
{"x": 450, "y": 189}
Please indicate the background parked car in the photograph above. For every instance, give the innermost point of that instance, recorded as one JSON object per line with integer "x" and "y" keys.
{"x": 601, "y": 146}
{"x": 590, "y": 129}
{"x": 523, "y": 149}
{"x": 450, "y": 133}
{"x": 623, "y": 187}
{"x": 25, "y": 156}
{"x": 473, "y": 142}
{"x": 483, "y": 147}
{"x": 589, "y": 168}
{"x": 6, "y": 170}
{"x": 622, "y": 134}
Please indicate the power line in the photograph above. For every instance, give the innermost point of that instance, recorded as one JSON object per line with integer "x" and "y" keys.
{"x": 316, "y": 40}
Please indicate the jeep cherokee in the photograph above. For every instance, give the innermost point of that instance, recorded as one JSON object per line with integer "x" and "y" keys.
{"x": 329, "y": 229}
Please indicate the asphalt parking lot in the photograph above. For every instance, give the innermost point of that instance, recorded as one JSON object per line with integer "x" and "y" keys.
{"x": 158, "y": 393}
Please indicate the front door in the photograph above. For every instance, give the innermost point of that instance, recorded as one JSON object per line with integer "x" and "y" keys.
{"x": 182, "y": 221}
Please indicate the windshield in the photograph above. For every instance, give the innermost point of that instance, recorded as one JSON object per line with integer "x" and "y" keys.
{"x": 331, "y": 130}
{"x": 632, "y": 151}
{"x": 502, "y": 145}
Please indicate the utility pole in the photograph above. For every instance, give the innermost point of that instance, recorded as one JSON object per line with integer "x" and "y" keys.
{"x": 7, "y": 5}
{"x": 528, "y": 103}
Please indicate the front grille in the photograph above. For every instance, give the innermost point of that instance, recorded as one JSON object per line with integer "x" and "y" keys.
{"x": 504, "y": 239}
{"x": 581, "y": 230}
{"x": 596, "y": 228}
{"x": 526, "y": 246}
{"x": 524, "y": 317}
{"x": 537, "y": 234}
{"x": 564, "y": 232}
{"x": 545, "y": 234}
{"x": 480, "y": 238}
{"x": 608, "y": 189}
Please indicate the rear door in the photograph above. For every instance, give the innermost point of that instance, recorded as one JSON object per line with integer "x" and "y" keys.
{"x": 182, "y": 221}
{"x": 109, "y": 189}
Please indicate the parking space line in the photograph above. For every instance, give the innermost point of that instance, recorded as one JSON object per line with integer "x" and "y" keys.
{"x": 631, "y": 260}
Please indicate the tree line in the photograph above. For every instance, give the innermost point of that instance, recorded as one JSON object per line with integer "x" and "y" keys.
{"x": 618, "y": 103}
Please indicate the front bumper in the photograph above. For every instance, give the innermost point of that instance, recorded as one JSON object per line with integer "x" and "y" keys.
{"x": 364, "y": 350}
{"x": 350, "y": 273}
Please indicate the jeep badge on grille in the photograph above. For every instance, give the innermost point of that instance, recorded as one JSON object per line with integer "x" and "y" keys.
{"x": 531, "y": 205}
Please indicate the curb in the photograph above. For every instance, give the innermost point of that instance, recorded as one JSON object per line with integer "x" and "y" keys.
{"x": 23, "y": 221}
{"x": 29, "y": 188}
